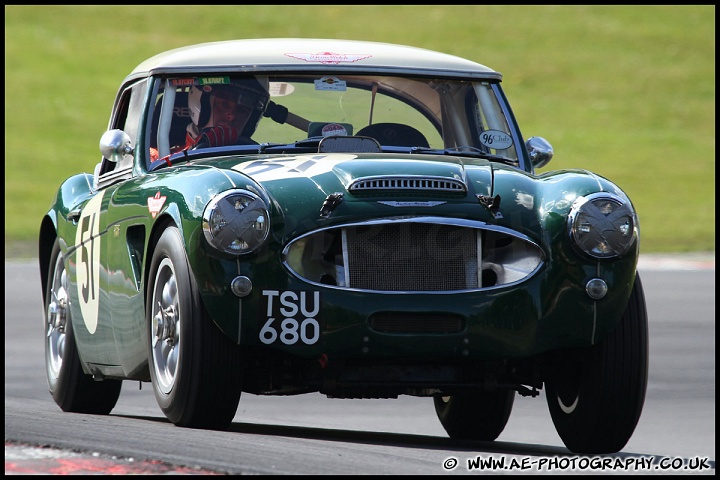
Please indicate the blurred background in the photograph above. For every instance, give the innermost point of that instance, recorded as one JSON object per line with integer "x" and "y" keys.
{"x": 627, "y": 92}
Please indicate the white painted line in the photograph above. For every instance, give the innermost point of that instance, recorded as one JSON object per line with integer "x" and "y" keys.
{"x": 676, "y": 262}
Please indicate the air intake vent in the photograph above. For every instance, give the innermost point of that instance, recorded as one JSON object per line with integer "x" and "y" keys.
{"x": 425, "y": 184}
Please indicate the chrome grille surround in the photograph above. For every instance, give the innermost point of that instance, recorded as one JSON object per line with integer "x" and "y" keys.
{"x": 413, "y": 254}
{"x": 407, "y": 182}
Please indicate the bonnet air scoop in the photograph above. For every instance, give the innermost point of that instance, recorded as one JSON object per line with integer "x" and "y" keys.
{"x": 407, "y": 183}
{"x": 416, "y": 175}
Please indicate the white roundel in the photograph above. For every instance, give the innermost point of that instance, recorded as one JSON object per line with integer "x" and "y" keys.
{"x": 297, "y": 166}
{"x": 496, "y": 139}
{"x": 87, "y": 259}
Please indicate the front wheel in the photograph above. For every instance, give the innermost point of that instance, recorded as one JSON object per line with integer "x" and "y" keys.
{"x": 70, "y": 387}
{"x": 195, "y": 369}
{"x": 596, "y": 395}
{"x": 475, "y": 416}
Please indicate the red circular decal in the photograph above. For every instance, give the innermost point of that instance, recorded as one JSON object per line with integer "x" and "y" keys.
{"x": 333, "y": 129}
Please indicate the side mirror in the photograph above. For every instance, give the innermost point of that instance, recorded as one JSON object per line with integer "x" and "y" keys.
{"x": 115, "y": 145}
{"x": 540, "y": 150}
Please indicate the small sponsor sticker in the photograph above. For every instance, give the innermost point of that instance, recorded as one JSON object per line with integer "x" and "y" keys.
{"x": 214, "y": 81}
{"x": 182, "y": 82}
{"x": 333, "y": 129}
{"x": 328, "y": 57}
{"x": 496, "y": 139}
{"x": 280, "y": 89}
{"x": 331, "y": 83}
{"x": 155, "y": 204}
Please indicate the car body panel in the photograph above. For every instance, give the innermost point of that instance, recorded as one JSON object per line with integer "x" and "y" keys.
{"x": 358, "y": 219}
{"x": 309, "y": 55}
{"x": 108, "y": 226}
{"x": 542, "y": 313}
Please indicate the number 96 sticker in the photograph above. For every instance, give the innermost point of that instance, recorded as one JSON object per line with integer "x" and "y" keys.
{"x": 496, "y": 139}
{"x": 290, "y": 317}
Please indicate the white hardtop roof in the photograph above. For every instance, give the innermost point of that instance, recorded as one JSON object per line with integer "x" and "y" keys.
{"x": 311, "y": 55}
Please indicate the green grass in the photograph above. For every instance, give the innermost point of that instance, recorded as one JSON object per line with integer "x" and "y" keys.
{"x": 625, "y": 91}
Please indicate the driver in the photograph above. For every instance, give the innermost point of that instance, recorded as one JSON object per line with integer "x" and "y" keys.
{"x": 226, "y": 114}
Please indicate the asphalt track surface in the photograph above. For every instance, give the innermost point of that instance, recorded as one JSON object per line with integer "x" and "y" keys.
{"x": 310, "y": 434}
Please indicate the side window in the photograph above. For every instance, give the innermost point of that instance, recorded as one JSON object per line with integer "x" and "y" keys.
{"x": 128, "y": 114}
{"x": 494, "y": 132}
{"x": 131, "y": 114}
{"x": 170, "y": 117}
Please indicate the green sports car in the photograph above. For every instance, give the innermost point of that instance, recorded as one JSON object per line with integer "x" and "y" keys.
{"x": 359, "y": 219}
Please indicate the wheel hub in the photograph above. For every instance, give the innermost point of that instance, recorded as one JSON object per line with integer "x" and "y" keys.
{"x": 57, "y": 310}
{"x": 165, "y": 324}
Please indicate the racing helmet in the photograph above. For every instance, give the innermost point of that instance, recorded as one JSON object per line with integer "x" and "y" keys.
{"x": 248, "y": 92}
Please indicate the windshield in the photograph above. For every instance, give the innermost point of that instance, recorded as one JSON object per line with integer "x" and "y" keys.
{"x": 282, "y": 109}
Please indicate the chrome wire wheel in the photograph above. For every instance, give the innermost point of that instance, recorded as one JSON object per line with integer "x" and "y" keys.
{"x": 72, "y": 389}
{"x": 165, "y": 341}
{"x": 56, "y": 319}
{"x": 195, "y": 369}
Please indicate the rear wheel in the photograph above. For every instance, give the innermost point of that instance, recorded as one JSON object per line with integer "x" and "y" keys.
{"x": 475, "y": 416}
{"x": 194, "y": 367}
{"x": 596, "y": 395}
{"x": 70, "y": 387}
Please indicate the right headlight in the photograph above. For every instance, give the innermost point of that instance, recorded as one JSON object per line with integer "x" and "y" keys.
{"x": 602, "y": 225}
{"x": 236, "y": 221}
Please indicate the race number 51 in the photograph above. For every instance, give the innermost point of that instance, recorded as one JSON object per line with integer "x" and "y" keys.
{"x": 87, "y": 258}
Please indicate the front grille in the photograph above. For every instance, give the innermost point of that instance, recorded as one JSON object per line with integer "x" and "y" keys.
{"x": 412, "y": 257}
{"x": 406, "y": 255}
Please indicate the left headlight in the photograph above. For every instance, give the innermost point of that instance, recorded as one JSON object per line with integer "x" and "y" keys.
{"x": 602, "y": 225}
{"x": 236, "y": 221}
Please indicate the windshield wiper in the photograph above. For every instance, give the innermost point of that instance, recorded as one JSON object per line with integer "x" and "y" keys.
{"x": 470, "y": 151}
{"x": 307, "y": 145}
{"x": 198, "y": 153}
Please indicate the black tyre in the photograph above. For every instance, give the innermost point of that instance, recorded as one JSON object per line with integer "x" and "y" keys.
{"x": 596, "y": 395}
{"x": 70, "y": 387}
{"x": 195, "y": 369}
{"x": 475, "y": 416}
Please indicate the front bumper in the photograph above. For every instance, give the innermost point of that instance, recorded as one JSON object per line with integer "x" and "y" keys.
{"x": 547, "y": 311}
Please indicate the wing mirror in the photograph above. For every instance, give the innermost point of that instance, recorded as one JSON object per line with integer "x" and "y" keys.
{"x": 540, "y": 151}
{"x": 115, "y": 145}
